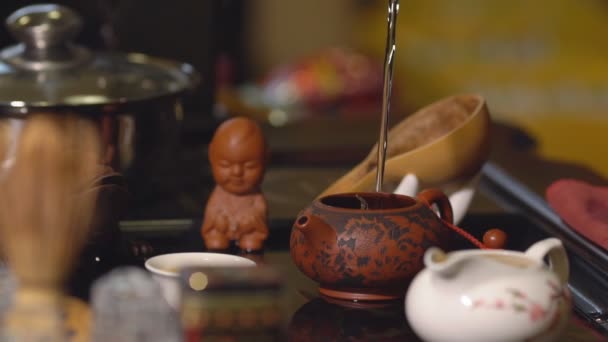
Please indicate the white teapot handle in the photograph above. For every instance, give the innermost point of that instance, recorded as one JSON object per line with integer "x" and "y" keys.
{"x": 555, "y": 251}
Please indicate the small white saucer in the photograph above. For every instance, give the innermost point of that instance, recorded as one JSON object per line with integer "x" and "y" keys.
{"x": 171, "y": 264}
{"x": 165, "y": 269}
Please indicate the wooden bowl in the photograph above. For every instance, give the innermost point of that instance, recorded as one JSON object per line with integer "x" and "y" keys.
{"x": 446, "y": 142}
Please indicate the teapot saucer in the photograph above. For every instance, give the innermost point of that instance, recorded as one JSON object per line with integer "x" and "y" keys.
{"x": 364, "y": 295}
{"x": 362, "y": 304}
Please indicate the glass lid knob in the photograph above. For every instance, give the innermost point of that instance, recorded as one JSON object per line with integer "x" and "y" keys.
{"x": 45, "y": 33}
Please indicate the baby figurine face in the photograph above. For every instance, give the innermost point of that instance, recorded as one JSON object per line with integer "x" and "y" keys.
{"x": 237, "y": 154}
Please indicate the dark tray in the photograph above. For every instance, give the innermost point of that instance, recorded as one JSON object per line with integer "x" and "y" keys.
{"x": 589, "y": 262}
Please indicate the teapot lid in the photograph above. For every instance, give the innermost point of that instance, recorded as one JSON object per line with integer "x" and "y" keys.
{"x": 46, "y": 69}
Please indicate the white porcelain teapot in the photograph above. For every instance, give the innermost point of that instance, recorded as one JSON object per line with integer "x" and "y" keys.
{"x": 491, "y": 295}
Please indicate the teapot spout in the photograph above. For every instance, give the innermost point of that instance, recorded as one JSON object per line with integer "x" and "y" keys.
{"x": 441, "y": 263}
{"x": 315, "y": 229}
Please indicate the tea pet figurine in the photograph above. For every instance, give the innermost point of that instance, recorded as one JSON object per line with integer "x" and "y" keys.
{"x": 236, "y": 209}
{"x": 491, "y": 295}
{"x": 367, "y": 246}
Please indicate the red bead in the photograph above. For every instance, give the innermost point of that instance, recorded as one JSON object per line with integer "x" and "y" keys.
{"x": 495, "y": 238}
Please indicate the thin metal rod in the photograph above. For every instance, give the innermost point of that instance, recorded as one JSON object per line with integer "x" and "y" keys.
{"x": 393, "y": 10}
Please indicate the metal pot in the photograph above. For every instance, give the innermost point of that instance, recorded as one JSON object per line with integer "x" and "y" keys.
{"x": 136, "y": 99}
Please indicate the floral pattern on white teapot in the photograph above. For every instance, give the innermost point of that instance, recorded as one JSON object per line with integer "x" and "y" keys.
{"x": 491, "y": 295}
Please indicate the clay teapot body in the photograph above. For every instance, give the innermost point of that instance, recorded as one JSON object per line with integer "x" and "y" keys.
{"x": 491, "y": 295}
{"x": 368, "y": 246}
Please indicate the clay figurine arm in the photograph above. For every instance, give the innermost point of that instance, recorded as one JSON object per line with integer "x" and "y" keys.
{"x": 256, "y": 220}
{"x": 208, "y": 223}
{"x": 214, "y": 218}
{"x": 253, "y": 224}
{"x": 215, "y": 221}
{"x": 261, "y": 214}
{"x": 254, "y": 230}
{"x": 214, "y": 229}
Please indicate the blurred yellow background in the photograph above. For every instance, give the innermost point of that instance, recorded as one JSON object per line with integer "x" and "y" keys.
{"x": 541, "y": 64}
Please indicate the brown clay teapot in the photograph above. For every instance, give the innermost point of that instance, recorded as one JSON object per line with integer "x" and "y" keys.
{"x": 368, "y": 246}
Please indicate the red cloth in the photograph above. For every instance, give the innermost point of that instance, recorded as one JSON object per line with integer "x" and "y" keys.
{"x": 583, "y": 207}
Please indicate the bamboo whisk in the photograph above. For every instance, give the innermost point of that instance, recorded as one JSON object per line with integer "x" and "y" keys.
{"x": 46, "y": 205}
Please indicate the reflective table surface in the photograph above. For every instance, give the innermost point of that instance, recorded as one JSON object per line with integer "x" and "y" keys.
{"x": 307, "y": 316}
{"x": 291, "y": 183}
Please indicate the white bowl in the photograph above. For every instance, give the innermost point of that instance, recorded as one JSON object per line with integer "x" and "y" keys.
{"x": 165, "y": 269}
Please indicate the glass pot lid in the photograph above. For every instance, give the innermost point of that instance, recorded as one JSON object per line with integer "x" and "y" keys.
{"x": 45, "y": 69}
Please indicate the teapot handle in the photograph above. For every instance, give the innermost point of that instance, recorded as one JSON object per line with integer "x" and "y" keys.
{"x": 556, "y": 253}
{"x": 435, "y": 196}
